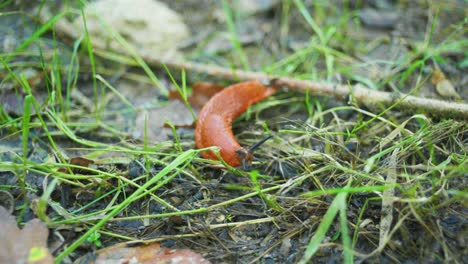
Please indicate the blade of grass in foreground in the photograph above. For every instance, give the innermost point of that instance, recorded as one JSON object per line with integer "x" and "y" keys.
{"x": 180, "y": 161}
{"x": 338, "y": 204}
{"x": 25, "y": 137}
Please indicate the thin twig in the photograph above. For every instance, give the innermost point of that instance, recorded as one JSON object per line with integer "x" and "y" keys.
{"x": 357, "y": 93}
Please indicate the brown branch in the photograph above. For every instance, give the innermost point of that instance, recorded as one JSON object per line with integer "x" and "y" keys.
{"x": 361, "y": 94}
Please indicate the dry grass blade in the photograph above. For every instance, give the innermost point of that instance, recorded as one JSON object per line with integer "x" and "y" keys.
{"x": 387, "y": 199}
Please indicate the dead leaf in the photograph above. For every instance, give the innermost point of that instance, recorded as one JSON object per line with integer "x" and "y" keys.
{"x": 152, "y": 253}
{"x": 78, "y": 161}
{"x": 443, "y": 86}
{"x": 23, "y": 246}
{"x": 154, "y": 120}
{"x": 201, "y": 93}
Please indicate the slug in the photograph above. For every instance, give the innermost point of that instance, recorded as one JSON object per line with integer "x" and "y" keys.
{"x": 214, "y": 123}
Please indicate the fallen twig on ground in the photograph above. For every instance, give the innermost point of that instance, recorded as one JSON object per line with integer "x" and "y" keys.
{"x": 358, "y": 92}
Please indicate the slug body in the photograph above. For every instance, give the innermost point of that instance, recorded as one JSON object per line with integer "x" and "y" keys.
{"x": 214, "y": 123}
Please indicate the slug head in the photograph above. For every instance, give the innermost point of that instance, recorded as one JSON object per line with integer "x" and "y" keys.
{"x": 246, "y": 155}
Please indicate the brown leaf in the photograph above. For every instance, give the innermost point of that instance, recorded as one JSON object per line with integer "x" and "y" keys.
{"x": 78, "y": 161}
{"x": 152, "y": 253}
{"x": 23, "y": 246}
{"x": 201, "y": 93}
{"x": 446, "y": 89}
{"x": 437, "y": 76}
{"x": 443, "y": 86}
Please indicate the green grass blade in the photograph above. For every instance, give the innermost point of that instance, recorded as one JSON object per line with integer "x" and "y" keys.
{"x": 233, "y": 35}
{"x": 133, "y": 53}
{"x": 323, "y": 227}
{"x": 43, "y": 29}
{"x": 25, "y": 137}
{"x": 89, "y": 47}
{"x": 345, "y": 238}
{"x": 182, "y": 159}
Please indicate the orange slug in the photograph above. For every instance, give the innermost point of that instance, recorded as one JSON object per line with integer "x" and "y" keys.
{"x": 214, "y": 123}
